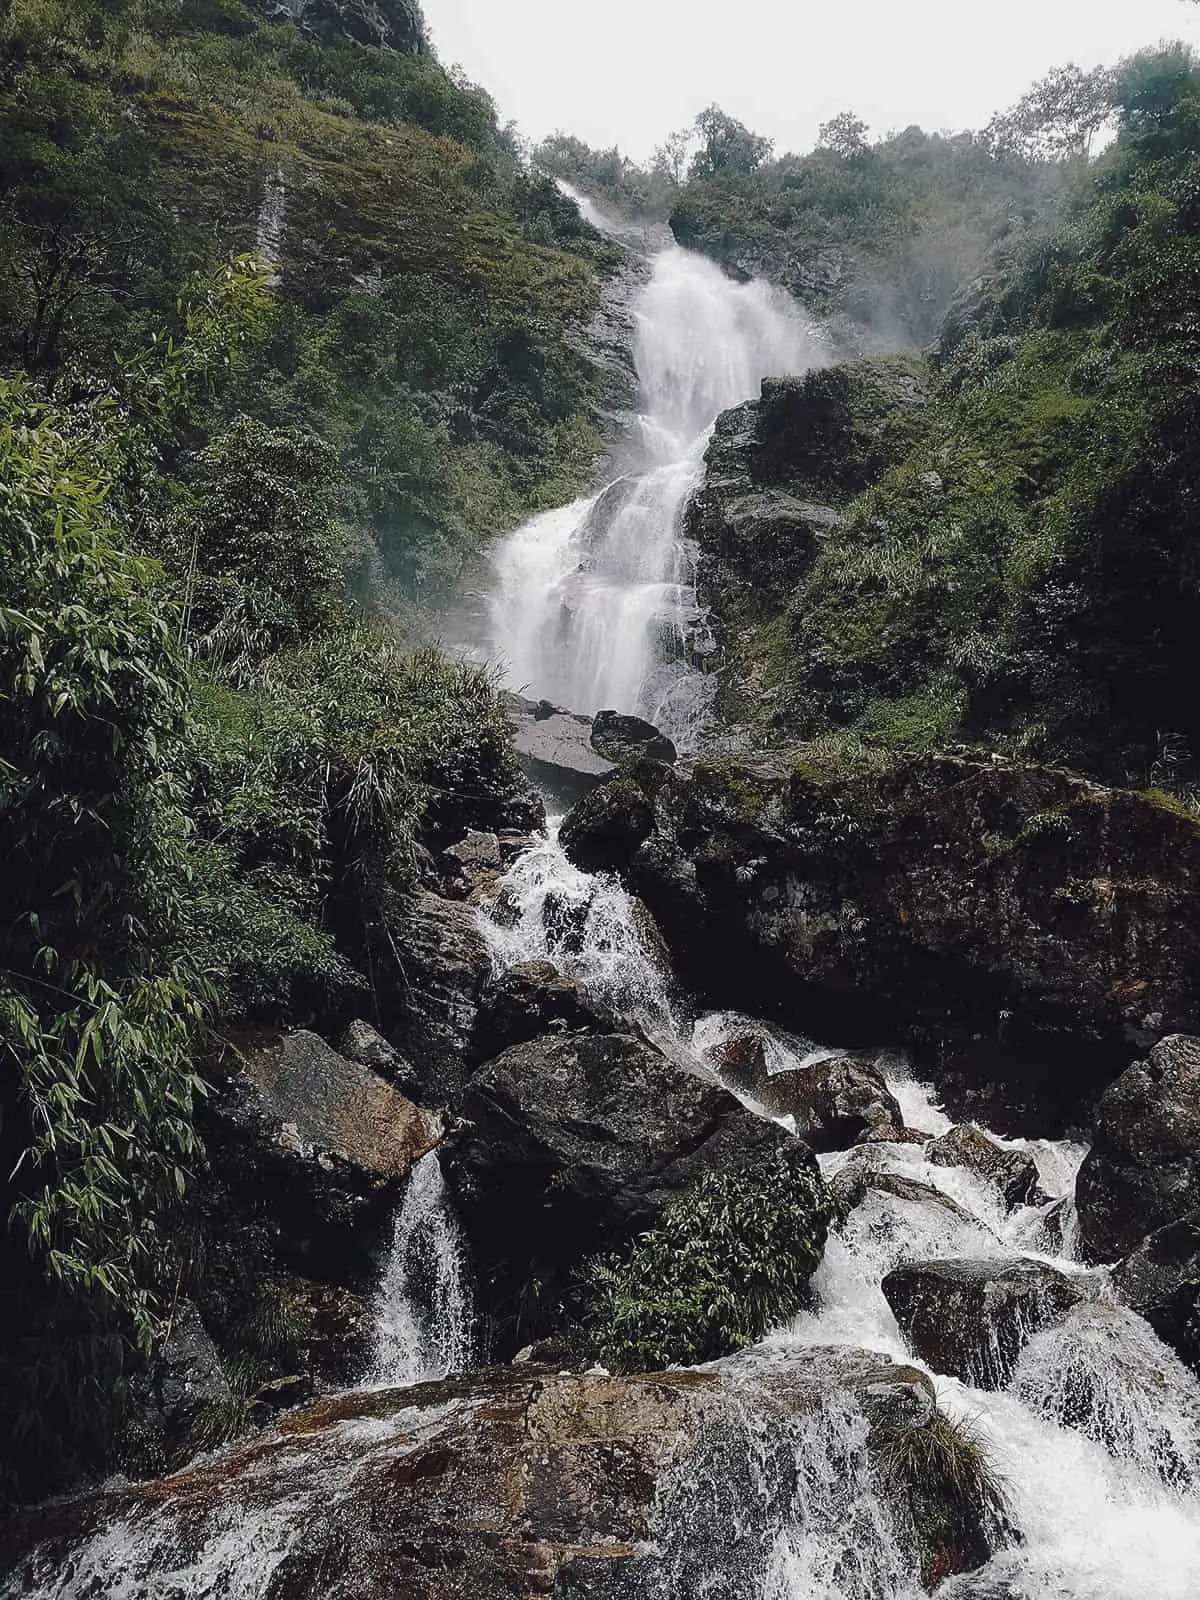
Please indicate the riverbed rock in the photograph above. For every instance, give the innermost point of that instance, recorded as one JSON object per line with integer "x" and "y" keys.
{"x": 929, "y": 899}
{"x": 570, "y": 1146}
{"x": 554, "y": 747}
{"x": 516, "y": 1482}
{"x": 530, "y": 999}
{"x": 620, "y": 738}
{"x": 438, "y": 970}
{"x": 1160, "y": 1279}
{"x": 833, "y": 1103}
{"x": 1143, "y": 1170}
{"x": 971, "y": 1319}
{"x": 1012, "y": 1172}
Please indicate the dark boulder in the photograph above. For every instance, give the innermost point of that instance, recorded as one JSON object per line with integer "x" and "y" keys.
{"x": 833, "y": 1103}
{"x": 1143, "y": 1170}
{"x": 1013, "y": 1173}
{"x": 528, "y": 1000}
{"x": 620, "y": 738}
{"x": 1160, "y": 1279}
{"x": 954, "y": 902}
{"x": 971, "y": 1319}
{"x": 366, "y": 1045}
{"x": 438, "y": 968}
{"x": 860, "y": 1177}
{"x": 516, "y": 1482}
{"x": 573, "y": 1145}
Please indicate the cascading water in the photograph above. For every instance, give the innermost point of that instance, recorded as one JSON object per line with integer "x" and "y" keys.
{"x": 595, "y": 605}
{"x": 423, "y": 1313}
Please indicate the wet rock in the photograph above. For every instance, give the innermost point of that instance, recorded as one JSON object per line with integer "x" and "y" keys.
{"x": 926, "y": 902}
{"x": 971, "y": 1319}
{"x": 325, "y": 1105}
{"x": 833, "y": 1103}
{"x": 366, "y": 1045}
{"x": 516, "y": 1482}
{"x": 1160, "y": 1279}
{"x": 531, "y": 999}
{"x": 187, "y": 1374}
{"x": 1143, "y": 1170}
{"x": 573, "y": 1145}
{"x": 554, "y": 748}
{"x": 1013, "y": 1173}
{"x": 471, "y": 868}
{"x": 439, "y": 968}
{"x": 620, "y": 738}
{"x": 860, "y": 1177}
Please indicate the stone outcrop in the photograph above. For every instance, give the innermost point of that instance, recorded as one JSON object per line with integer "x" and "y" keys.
{"x": 519, "y": 1482}
{"x": 1160, "y": 1279}
{"x": 1023, "y": 921}
{"x": 1012, "y": 1172}
{"x": 619, "y": 738}
{"x": 383, "y": 24}
{"x": 971, "y": 1319}
{"x": 439, "y": 969}
{"x": 1143, "y": 1170}
{"x": 572, "y": 1145}
{"x": 531, "y": 999}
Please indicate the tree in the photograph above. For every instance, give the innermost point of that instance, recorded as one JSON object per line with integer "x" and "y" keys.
{"x": 845, "y": 135}
{"x": 727, "y": 147}
{"x": 1057, "y": 119}
{"x": 670, "y": 159}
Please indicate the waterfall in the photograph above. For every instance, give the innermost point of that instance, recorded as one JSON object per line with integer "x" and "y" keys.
{"x": 272, "y": 214}
{"x": 594, "y": 604}
{"x": 423, "y": 1312}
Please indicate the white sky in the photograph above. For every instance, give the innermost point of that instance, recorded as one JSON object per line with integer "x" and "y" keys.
{"x": 628, "y": 71}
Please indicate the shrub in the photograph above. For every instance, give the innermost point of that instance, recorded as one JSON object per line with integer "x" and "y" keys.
{"x": 724, "y": 1263}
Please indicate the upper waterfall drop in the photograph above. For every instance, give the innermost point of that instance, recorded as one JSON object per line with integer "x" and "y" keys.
{"x": 594, "y": 604}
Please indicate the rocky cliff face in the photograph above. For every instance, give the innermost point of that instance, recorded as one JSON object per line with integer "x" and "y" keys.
{"x": 1022, "y": 924}
{"x": 384, "y": 24}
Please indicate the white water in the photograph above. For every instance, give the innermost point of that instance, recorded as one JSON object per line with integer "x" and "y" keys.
{"x": 1097, "y": 1436}
{"x": 594, "y": 604}
{"x": 423, "y": 1311}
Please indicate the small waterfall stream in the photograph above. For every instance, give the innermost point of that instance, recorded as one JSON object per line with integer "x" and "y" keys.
{"x": 423, "y": 1310}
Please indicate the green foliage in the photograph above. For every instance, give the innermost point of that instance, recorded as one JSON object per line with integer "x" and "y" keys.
{"x": 727, "y": 147}
{"x": 941, "y": 1474}
{"x": 723, "y": 1264}
{"x": 97, "y": 1026}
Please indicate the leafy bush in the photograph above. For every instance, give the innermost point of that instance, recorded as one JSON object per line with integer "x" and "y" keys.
{"x": 724, "y": 1263}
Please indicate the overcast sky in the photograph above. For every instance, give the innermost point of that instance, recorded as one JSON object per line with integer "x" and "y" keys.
{"x": 628, "y": 71}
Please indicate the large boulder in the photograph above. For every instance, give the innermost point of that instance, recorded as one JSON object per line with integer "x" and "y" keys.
{"x": 1143, "y": 1170}
{"x": 1160, "y": 1279}
{"x": 1013, "y": 1173}
{"x": 971, "y": 1319}
{"x": 573, "y": 1145}
{"x": 439, "y": 967}
{"x": 554, "y": 747}
{"x": 524, "y": 1482}
{"x": 992, "y": 912}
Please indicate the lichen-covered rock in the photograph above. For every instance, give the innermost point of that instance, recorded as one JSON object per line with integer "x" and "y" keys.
{"x": 1012, "y": 1172}
{"x": 1143, "y": 1170}
{"x": 521, "y": 1482}
{"x": 1022, "y": 921}
{"x": 573, "y": 1145}
{"x": 971, "y": 1319}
